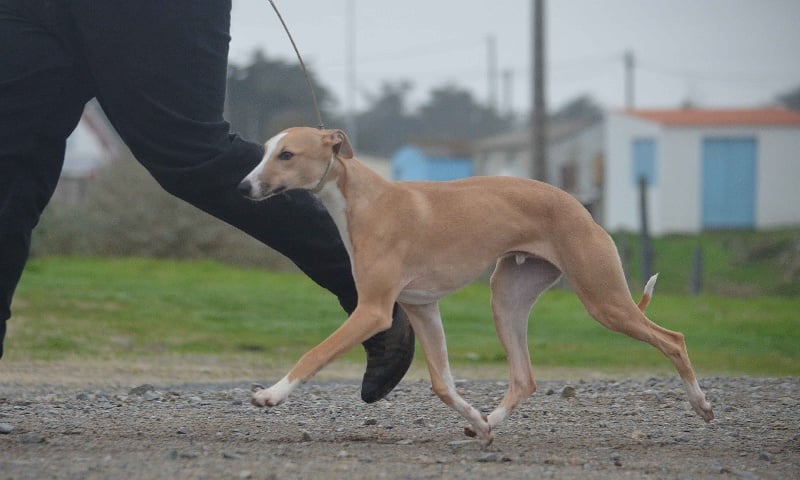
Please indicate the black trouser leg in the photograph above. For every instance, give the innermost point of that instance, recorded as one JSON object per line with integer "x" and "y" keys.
{"x": 162, "y": 85}
{"x": 41, "y": 99}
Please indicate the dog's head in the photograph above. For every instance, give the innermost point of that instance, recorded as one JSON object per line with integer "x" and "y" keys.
{"x": 296, "y": 158}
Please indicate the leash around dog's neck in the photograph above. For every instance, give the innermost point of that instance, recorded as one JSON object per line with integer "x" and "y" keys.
{"x": 320, "y": 125}
{"x": 321, "y": 182}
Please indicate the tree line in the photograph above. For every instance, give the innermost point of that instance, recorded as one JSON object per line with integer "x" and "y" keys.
{"x": 270, "y": 94}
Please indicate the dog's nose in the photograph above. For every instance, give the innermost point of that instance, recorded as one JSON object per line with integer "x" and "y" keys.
{"x": 244, "y": 188}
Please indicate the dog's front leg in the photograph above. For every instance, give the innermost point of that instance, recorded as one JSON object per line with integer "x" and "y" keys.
{"x": 365, "y": 321}
{"x": 427, "y": 324}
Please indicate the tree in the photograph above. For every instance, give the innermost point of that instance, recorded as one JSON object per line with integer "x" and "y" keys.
{"x": 452, "y": 112}
{"x": 268, "y": 95}
{"x": 385, "y": 125}
{"x": 583, "y": 107}
{"x": 790, "y": 99}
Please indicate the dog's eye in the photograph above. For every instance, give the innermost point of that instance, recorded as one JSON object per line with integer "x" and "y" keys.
{"x": 285, "y": 155}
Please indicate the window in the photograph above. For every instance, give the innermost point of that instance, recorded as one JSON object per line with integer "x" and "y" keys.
{"x": 644, "y": 161}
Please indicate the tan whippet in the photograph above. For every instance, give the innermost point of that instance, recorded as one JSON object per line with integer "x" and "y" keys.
{"x": 415, "y": 242}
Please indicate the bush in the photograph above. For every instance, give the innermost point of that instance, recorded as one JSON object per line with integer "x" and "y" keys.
{"x": 126, "y": 213}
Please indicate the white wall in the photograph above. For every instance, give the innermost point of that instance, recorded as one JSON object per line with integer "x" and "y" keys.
{"x": 580, "y": 149}
{"x": 778, "y": 182}
{"x": 676, "y": 200}
{"x": 621, "y": 205}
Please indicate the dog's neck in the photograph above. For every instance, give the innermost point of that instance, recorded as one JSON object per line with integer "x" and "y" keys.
{"x": 351, "y": 187}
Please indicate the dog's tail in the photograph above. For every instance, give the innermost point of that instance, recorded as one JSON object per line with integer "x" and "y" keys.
{"x": 648, "y": 293}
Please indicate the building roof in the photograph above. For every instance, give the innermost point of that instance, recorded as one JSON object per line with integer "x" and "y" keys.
{"x": 521, "y": 139}
{"x": 769, "y": 116}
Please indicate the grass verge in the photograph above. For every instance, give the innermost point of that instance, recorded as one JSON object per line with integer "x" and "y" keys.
{"x": 145, "y": 312}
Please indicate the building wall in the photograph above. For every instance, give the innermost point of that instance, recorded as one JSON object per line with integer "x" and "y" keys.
{"x": 778, "y": 181}
{"x": 675, "y": 200}
{"x": 410, "y": 163}
{"x": 621, "y": 193}
{"x": 580, "y": 150}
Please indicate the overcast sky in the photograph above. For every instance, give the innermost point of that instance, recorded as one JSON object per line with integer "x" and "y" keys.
{"x": 716, "y": 53}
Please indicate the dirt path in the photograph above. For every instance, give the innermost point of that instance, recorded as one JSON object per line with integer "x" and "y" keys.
{"x": 619, "y": 429}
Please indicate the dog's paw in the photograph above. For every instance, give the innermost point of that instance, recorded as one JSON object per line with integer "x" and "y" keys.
{"x": 484, "y": 436}
{"x": 265, "y": 398}
{"x": 274, "y": 395}
{"x": 703, "y": 408}
{"x": 698, "y": 401}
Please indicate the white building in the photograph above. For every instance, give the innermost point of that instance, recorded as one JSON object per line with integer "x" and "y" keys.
{"x": 574, "y": 158}
{"x": 92, "y": 145}
{"x": 705, "y": 169}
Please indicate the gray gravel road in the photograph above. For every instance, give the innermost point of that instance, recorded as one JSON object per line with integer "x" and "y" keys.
{"x": 602, "y": 429}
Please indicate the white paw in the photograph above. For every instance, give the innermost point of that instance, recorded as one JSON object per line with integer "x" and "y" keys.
{"x": 703, "y": 408}
{"x": 266, "y": 398}
{"x": 698, "y": 401}
{"x": 274, "y": 395}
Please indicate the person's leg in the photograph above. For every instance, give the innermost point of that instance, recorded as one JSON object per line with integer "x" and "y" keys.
{"x": 160, "y": 71}
{"x": 41, "y": 99}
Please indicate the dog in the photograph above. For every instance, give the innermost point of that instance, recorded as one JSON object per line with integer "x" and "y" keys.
{"x": 415, "y": 242}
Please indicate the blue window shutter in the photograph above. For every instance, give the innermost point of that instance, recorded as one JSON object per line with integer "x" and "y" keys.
{"x": 729, "y": 169}
{"x": 644, "y": 160}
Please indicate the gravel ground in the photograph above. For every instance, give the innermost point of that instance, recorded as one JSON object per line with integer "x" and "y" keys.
{"x": 577, "y": 430}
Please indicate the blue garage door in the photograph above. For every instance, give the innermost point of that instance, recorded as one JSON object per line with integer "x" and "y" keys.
{"x": 729, "y": 183}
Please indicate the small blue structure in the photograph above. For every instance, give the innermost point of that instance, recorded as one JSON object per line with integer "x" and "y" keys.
{"x": 412, "y": 162}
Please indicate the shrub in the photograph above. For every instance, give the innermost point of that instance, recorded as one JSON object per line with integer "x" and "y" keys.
{"x": 124, "y": 212}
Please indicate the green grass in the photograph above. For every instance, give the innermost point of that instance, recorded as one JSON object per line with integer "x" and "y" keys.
{"x": 135, "y": 308}
{"x": 735, "y": 263}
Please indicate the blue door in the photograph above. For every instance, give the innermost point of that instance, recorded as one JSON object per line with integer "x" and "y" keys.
{"x": 644, "y": 161}
{"x": 729, "y": 183}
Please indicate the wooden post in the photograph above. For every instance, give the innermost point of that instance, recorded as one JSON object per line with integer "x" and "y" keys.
{"x": 644, "y": 232}
{"x": 696, "y": 285}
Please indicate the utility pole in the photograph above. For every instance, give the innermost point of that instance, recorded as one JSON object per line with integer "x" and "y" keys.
{"x": 491, "y": 71}
{"x": 629, "y": 79}
{"x": 508, "y": 92}
{"x": 538, "y": 107}
{"x": 350, "y": 52}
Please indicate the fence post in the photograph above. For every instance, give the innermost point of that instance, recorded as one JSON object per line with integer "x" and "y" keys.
{"x": 644, "y": 232}
{"x": 696, "y": 284}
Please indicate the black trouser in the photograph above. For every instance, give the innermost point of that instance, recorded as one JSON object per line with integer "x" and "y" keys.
{"x": 158, "y": 69}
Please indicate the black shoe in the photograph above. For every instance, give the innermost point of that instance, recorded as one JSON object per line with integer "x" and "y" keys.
{"x": 389, "y": 355}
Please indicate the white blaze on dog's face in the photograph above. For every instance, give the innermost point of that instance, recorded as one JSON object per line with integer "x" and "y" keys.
{"x": 297, "y": 158}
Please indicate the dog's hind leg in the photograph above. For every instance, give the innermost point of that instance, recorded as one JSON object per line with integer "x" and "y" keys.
{"x": 427, "y": 324}
{"x": 600, "y": 284}
{"x": 516, "y": 283}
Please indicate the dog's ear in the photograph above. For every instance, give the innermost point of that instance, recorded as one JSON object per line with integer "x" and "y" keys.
{"x": 340, "y": 143}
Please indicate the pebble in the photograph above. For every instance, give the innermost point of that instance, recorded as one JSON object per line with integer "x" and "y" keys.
{"x": 6, "y": 428}
{"x": 370, "y": 421}
{"x": 151, "y": 396}
{"x": 461, "y": 443}
{"x": 488, "y": 457}
{"x": 32, "y": 438}
{"x": 231, "y": 456}
{"x": 141, "y": 389}
{"x": 568, "y": 392}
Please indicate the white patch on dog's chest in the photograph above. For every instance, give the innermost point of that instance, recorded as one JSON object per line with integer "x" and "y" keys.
{"x": 336, "y": 204}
